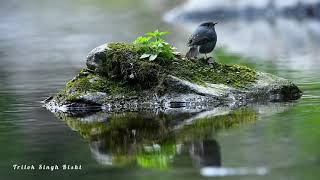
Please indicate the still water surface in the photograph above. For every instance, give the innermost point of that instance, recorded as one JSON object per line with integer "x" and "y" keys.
{"x": 44, "y": 43}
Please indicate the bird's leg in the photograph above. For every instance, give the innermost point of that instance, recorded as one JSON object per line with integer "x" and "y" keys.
{"x": 206, "y": 56}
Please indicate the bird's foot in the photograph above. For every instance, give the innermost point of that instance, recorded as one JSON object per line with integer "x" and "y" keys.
{"x": 210, "y": 61}
{"x": 194, "y": 59}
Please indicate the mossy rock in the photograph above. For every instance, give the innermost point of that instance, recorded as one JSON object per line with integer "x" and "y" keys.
{"x": 117, "y": 79}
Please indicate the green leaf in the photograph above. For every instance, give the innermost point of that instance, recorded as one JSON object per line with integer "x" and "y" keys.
{"x": 142, "y": 40}
{"x": 150, "y": 34}
{"x": 143, "y": 56}
{"x": 153, "y": 46}
{"x": 163, "y": 33}
{"x": 153, "y": 57}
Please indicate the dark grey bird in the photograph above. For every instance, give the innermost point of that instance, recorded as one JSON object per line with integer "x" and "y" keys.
{"x": 203, "y": 40}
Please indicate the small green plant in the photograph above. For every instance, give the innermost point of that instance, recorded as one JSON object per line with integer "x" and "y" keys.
{"x": 153, "y": 46}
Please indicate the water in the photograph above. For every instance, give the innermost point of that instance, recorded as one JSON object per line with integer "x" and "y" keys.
{"x": 44, "y": 43}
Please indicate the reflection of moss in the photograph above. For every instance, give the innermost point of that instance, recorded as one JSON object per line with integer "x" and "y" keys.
{"x": 149, "y": 139}
{"x": 157, "y": 158}
{"x": 86, "y": 130}
{"x": 204, "y": 127}
{"x": 119, "y": 127}
{"x": 122, "y": 159}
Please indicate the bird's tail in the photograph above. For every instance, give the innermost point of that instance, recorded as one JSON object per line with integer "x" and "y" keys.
{"x": 192, "y": 53}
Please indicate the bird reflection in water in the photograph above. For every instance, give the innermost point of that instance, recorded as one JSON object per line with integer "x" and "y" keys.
{"x": 205, "y": 153}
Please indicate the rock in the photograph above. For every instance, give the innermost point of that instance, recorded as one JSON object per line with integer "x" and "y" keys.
{"x": 94, "y": 59}
{"x": 116, "y": 79}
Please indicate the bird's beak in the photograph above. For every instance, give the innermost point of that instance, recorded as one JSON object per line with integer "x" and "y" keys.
{"x": 216, "y": 23}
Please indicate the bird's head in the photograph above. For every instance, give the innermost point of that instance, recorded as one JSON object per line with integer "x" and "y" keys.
{"x": 209, "y": 24}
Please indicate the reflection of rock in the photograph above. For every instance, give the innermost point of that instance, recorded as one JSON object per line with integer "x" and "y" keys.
{"x": 104, "y": 152}
{"x": 271, "y": 108}
{"x": 206, "y": 153}
{"x": 100, "y": 153}
{"x": 152, "y": 140}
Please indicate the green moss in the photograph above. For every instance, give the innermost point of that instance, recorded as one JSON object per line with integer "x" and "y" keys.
{"x": 197, "y": 71}
{"x": 122, "y": 52}
{"x": 200, "y": 72}
{"x": 73, "y": 97}
{"x": 93, "y": 83}
{"x": 81, "y": 84}
{"x": 123, "y": 47}
{"x": 123, "y": 64}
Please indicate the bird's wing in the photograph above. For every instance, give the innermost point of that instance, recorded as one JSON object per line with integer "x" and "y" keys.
{"x": 199, "y": 37}
{"x": 196, "y": 41}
